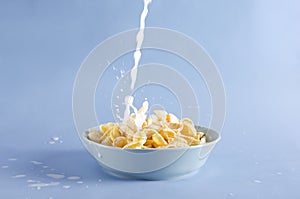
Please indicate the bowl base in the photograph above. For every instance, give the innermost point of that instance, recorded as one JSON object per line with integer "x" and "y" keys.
{"x": 145, "y": 176}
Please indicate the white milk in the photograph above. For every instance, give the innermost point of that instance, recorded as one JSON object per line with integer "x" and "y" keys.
{"x": 140, "y": 114}
{"x": 139, "y": 41}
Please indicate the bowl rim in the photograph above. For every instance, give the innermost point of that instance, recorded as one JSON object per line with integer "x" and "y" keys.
{"x": 85, "y": 134}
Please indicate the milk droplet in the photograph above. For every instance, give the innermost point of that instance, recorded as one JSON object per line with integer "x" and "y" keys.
{"x": 36, "y": 162}
{"x": 119, "y": 117}
{"x": 73, "y": 178}
{"x": 43, "y": 184}
{"x": 257, "y": 181}
{"x": 19, "y": 176}
{"x": 122, "y": 72}
{"x": 231, "y": 194}
{"x": 4, "y": 167}
{"x": 66, "y": 186}
{"x": 55, "y": 138}
{"x": 55, "y": 176}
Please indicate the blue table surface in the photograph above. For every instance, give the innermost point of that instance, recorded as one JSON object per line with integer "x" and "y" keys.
{"x": 255, "y": 44}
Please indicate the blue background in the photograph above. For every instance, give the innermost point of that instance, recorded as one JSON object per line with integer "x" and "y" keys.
{"x": 255, "y": 44}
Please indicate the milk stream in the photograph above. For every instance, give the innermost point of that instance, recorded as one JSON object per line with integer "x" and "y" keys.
{"x": 139, "y": 41}
{"x": 140, "y": 115}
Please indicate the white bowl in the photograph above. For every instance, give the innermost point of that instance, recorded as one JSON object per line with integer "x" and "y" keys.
{"x": 152, "y": 164}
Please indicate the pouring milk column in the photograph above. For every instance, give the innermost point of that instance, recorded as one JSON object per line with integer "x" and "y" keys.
{"x": 140, "y": 115}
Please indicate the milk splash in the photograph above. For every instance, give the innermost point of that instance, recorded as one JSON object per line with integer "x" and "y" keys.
{"x": 140, "y": 115}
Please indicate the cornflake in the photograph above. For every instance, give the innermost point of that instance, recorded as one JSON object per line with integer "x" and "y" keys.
{"x": 159, "y": 130}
